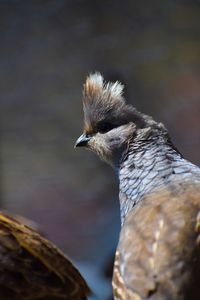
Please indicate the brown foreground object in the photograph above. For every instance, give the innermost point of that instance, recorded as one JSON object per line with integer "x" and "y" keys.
{"x": 32, "y": 268}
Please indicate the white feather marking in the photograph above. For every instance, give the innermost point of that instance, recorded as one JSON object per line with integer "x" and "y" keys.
{"x": 155, "y": 244}
{"x": 96, "y": 82}
{"x": 114, "y": 88}
{"x": 95, "y": 79}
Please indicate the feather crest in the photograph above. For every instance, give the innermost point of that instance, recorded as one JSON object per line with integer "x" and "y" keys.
{"x": 96, "y": 90}
{"x": 101, "y": 100}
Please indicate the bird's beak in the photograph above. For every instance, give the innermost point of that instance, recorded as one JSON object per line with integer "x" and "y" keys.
{"x": 82, "y": 141}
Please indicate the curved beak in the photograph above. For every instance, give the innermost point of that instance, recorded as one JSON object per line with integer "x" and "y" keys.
{"x": 82, "y": 141}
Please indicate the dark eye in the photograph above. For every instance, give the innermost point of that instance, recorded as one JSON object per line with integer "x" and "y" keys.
{"x": 105, "y": 127}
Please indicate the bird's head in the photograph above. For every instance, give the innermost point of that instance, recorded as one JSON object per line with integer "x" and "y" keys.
{"x": 109, "y": 123}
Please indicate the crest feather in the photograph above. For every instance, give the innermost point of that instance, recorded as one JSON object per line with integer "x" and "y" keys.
{"x": 101, "y": 101}
{"x": 95, "y": 89}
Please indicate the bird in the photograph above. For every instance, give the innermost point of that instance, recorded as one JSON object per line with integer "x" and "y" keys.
{"x": 33, "y": 268}
{"x": 158, "y": 253}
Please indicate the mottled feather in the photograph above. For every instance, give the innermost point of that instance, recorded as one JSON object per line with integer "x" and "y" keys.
{"x": 158, "y": 255}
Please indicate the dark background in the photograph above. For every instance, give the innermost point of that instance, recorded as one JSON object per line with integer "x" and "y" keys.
{"x": 46, "y": 50}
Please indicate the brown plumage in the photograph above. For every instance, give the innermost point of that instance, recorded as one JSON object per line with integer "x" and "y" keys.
{"x": 158, "y": 255}
{"x": 32, "y": 268}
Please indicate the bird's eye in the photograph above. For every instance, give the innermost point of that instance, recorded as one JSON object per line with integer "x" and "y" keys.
{"x": 105, "y": 127}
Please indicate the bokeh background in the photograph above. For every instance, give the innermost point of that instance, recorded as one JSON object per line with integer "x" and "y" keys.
{"x": 47, "y": 48}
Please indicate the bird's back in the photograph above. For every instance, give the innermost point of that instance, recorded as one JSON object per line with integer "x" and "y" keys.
{"x": 158, "y": 255}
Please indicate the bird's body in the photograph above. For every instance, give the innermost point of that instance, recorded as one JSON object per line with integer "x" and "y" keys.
{"x": 160, "y": 202}
{"x": 158, "y": 254}
{"x": 32, "y": 268}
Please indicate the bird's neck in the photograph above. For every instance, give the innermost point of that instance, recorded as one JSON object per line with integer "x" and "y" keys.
{"x": 149, "y": 163}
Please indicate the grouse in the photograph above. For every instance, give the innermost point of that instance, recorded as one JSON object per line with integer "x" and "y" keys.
{"x": 158, "y": 254}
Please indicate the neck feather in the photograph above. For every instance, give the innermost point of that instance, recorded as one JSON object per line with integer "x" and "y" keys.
{"x": 150, "y": 163}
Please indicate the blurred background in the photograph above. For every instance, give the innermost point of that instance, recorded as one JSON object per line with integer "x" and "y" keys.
{"x": 47, "y": 49}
